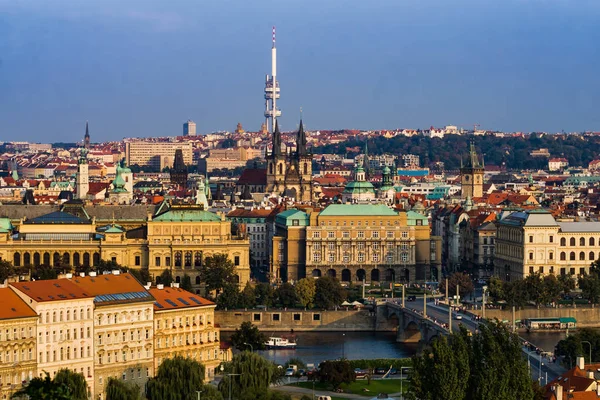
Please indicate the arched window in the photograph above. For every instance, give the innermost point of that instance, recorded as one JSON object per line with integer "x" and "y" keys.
{"x": 86, "y": 259}
{"x": 592, "y": 241}
{"x": 178, "y": 279}
{"x": 36, "y": 259}
{"x": 563, "y": 241}
{"x": 56, "y": 259}
{"x": 178, "y": 259}
{"x": 280, "y": 167}
{"x": 26, "y": 259}
{"x": 305, "y": 168}
{"x": 197, "y": 280}
{"x": 581, "y": 256}
{"x": 198, "y": 259}
{"x": 96, "y": 259}
{"x": 17, "y": 259}
{"x": 188, "y": 258}
{"x": 66, "y": 259}
{"x": 572, "y": 241}
{"x": 582, "y": 241}
{"x": 572, "y": 256}
{"x": 76, "y": 260}
{"x": 46, "y": 258}
{"x": 592, "y": 256}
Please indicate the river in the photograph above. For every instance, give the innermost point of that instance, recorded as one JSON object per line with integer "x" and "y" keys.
{"x": 314, "y": 347}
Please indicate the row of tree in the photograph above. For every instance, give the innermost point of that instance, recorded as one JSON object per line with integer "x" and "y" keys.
{"x": 534, "y": 288}
{"x": 323, "y": 293}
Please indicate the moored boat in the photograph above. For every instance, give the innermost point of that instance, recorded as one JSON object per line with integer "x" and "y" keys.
{"x": 280, "y": 343}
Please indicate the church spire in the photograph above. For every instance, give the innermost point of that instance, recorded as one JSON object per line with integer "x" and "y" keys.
{"x": 301, "y": 141}
{"x": 276, "y": 141}
{"x": 86, "y": 138}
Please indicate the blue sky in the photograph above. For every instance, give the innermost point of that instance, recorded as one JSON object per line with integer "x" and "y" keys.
{"x": 143, "y": 67}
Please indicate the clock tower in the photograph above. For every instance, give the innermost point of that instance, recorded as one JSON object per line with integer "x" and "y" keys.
{"x": 471, "y": 175}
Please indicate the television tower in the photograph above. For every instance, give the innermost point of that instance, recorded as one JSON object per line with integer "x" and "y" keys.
{"x": 272, "y": 91}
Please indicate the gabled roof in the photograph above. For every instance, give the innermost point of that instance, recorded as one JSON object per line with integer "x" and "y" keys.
{"x": 176, "y": 298}
{"x": 287, "y": 217}
{"x": 51, "y": 290}
{"x": 58, "y": 217}
{"x": 357, "y": 210}
{"x": 109, "y": 288}
{"x": 12, "y": 306}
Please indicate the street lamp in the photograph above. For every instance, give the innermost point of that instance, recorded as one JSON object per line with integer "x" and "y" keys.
{"x": 251, "y": 347}
{"x": 585, "y": 341}
{"x": 229, "y": 376}
{"x": 199, "y": 392}
{"x": 343, "y": 346}
{"x": 401, "y": 386}
{"x": 483, "y": 301}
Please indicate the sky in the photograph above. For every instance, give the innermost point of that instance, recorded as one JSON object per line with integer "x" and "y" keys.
{"x": 137, "y": 68}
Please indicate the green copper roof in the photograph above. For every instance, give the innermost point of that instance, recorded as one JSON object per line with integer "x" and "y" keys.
{"x": 357, "y": 210}
{"x": 5, "y": 225}
{"x": 412, "y": 218}
{"x": 359, "y": 187}
{"x": 187, "y": 215}
{"x": 292, "y": 218}
{"x": 114, "y": 229}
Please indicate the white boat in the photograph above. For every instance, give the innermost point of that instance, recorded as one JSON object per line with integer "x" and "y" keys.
{"x": 280, "y": 343}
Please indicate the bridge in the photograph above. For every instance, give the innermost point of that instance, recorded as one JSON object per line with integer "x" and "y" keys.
{"x": 413, "y": 326}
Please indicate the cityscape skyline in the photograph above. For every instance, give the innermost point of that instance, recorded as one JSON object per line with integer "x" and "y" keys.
{"x": 137, "y": 70}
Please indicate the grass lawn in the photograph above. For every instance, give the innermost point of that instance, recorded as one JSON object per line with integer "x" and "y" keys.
{"x": 377, "y": 386}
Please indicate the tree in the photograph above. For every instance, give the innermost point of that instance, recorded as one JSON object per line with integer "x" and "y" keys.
{"x": 177, "y": 378}
{"x": 572, "y": 347}
{"x": 590, "y": 287}
{"x": 247, "y": 298}
{"x": 305, "y": 291}
{"x": 256, "y": 374}
{"x": 458, "y": 278}
{"x": 336, "y": 372}
{"x": 567, "y": 283}
{"x": 165, "y": 278}
{"x": 328, "y": 293}
{"x": 286, "y": 295}
{"x": 116, "y": 389}
{"x": 264, "y": 294}
{"x": 6, "y": 270}
{"x": 78, "y": 388}
{"x": 535, "y": 288}
{"x": 248, "y": 333}
{"x": 230, "y": 297}
{"x": 496, "y": 289}
{"x": 142, "y": 275}
{"x": 216, "y": 272}
{"x": 186, "y": 283}
{"x": 68, "y": 387}
{"x": 515, "y": 293}
{"x": 552, "y": 289}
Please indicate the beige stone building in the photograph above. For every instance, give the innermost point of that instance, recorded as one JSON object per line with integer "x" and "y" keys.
{"x": 533, "y": 241}
{"x": 156, "y": 154}
{"x": 176, "y": 238}
{"x": 123, "y": 329}
{"x": 18, "y": 327}
{"x": 65, "y": 326}
{"x": 184, "y": 326}
{"x": 355, "y": 242}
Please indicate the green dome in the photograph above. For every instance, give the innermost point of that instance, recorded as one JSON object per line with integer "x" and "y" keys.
{"x": 356, "y": 187}
{"x": 387, "y": 170}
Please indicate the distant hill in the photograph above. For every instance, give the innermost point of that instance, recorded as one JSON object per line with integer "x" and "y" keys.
{"x": 512, "y": 152}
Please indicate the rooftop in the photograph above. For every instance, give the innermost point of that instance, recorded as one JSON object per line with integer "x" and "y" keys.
{"x": 176, "y": 298}
{"x": 52, "y": 290}
{"x": 335, "y": 210}
{"x": 109, "y": 288}
{"x": 12, "y": 306}
{"x": 58, "y": 217}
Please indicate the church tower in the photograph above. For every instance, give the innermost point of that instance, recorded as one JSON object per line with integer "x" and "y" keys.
{"x": 86, "y": 138}
{"x": 276, "y": 164}
{"x": 471, "y": 175}
{"x": 304, "y": 159}
{"x": 83, "y": 185}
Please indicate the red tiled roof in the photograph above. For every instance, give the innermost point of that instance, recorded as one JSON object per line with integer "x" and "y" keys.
{"x": 253, "y": 176}
{"x": 175, "y": 297}
{"x": 108, "y": 284}
{"x": 51, "y": 290}
{"x": 12, "y": 306}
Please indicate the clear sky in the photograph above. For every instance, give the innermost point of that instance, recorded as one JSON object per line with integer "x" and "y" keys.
{"x": 143, "y": 67}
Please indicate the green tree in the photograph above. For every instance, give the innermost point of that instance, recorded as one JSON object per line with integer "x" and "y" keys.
{"x": 336, "y": 372}
{"x": 165, "y": 278}
{"x": 515, "y": 293}
{"x": 590, "y": 287}
{"x": 6, "y": 270}
{"x": 248, "y": 333}
{"x": 142, "y": 275}
{"x": 552, "y": 289}
{"x": 49, "y": 389}
{"x": 186, "y": 283}
{"x": 256, "y": 374}
{"x": 78, "y": 388}
{"x": 567, "y": 283}
{"x": 177, "y": 379}
{"x": 216, "y": 272}
{"x": 116, "y": 389}
{"x": 573, "y": 347}
{"x": 247, "y": 298}
{"x": 496, "y": 289}
{"x": 229, "y": 298}
{"x": 305, "y": 291}
{"x": 286, "y": 295}
{"x": 264, "y": 294}
{"x": 535, "y": 288}
{"x": 464, "y": 282}
{"x": 328, "y": 293}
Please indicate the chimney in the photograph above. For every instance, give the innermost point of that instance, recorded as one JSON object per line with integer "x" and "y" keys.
{"x": 160, "y": 286}
{"x": 148, "y": 283}
{"x": 93, "y": 273}
{"x": 69, "y": 276}
{"x": 590, "y": 374}
{"x": 116, "y": 272}
{"x": 580, "y": 362}
{"x": 82, "y": 274}
{"x": 174, "y": 284}
{"x": 147, "y": 287}
{"x": 597, "y": 388}
{"x": 558, "y": 391}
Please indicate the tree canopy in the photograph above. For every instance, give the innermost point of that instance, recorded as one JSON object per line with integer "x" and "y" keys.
{"x": 306, "y": 289}
{"x": 248, "y": 334}
{"x": 256, "y": 374}
{"x": 66, "y": 385}
{"x": 178, "y": 378}
{"x": 116, "y": 389}
{"x": 328, "y": 293}
{"x": 464, "y": 282}
{"x": 573, "y": 346}
{"x": 336, "y": 372}
{"x": 217, "y": 271}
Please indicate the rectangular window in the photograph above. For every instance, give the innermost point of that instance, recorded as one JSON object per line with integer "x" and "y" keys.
{"x": 157, "y": 261}
{"x": 375, "y": 234}
{"x": 297, "y": 317}
{"x": 331, "y": 235}
{"x": 316, "y": 257}
{"x": 331, "y": 246}
{"x": 551, "y": 239}
{"x": 316, "y": 317}
{"x": 405, "y": 235}
{"x": 316, "y": 234}
{"x": 256, "y": 317}
{"x": 531, "y": 270}
{"x": 360, "y": 234}
{"x": 390, "y": 234}
{"x": 168, "y": 261}
{"x": 530, "y": 238}
{"x": 345, "y": 234}
{"x": 276, "y": 317}
{"x": 236, "y": 260}
{"x": 331, "y": 257}
{"x": 138, "y": 260}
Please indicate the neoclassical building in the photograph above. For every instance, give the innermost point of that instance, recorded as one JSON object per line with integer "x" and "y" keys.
{"x": 175, "y": 237}
{"x": 533, "y": 241}
{"x": 355, "y": 242}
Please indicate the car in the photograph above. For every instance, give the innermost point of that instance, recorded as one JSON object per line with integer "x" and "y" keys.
{"x": 290, "y": 372}
{"x": 380, "y": 371}
{"x": 302, "y": 372}
{"x": 411, "y": 298}
{"x": 360, "y": 373}
{"x": 457, "y": 317}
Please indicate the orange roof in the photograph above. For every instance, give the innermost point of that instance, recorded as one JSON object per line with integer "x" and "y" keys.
{"x": 51, "y": 290}
{"x": 111, "y": 284}
{"x": 172, "y": 298}
{"x": 12, "y": 306}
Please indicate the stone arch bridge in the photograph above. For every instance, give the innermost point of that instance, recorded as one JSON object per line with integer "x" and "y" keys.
{"x": 413, "y": 327}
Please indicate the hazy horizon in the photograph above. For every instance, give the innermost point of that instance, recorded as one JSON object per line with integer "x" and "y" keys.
{"x": 136, "y": 68}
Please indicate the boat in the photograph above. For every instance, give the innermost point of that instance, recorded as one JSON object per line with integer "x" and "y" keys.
{"x": 280, "y": 343}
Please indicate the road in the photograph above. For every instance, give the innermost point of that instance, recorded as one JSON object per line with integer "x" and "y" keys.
{"x": 549, "y": 370}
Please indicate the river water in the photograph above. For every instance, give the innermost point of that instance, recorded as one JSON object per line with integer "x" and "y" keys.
{"x": 314, "y": 347}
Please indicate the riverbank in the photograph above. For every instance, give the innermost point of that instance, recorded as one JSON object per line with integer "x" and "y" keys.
{"x": 586, "y": 316}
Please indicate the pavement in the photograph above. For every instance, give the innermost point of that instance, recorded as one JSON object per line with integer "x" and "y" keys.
{"x": 309, "y": 392}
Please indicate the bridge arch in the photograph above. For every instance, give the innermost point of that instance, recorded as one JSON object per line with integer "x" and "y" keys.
{"x": 411, "y": 333}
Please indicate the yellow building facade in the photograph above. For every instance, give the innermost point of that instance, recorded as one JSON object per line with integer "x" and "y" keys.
{"x": 177, "y": 238}
{"x": 184, "y": 326}
{"x": 355, "y": 242}
{"x": 18, "y": 327}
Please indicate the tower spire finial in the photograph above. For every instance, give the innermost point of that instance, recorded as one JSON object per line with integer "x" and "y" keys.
{"x": 273, "y": 36}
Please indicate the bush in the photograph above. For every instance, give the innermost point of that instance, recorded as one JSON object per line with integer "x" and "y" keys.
{"x": 381, "y": 363}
